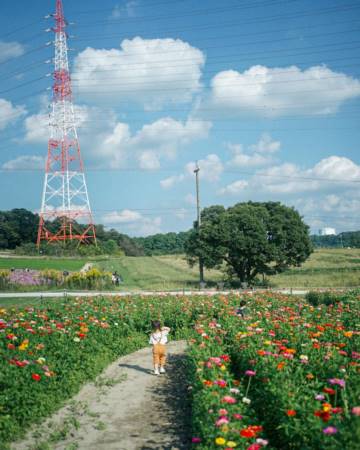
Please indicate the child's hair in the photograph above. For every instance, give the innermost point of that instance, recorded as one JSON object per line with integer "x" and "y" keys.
{"x": 155, "y": 324}
{"x": 242, "y": 303}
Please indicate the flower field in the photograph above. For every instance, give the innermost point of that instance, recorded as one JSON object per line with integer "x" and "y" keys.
{"x": 286, "y": 376}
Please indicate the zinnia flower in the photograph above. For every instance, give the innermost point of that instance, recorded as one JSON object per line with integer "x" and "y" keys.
{"x": 195, "y": 440}
{"x": 250, "y": 373}
{"x": 36, "y": 377}
{"x": 356, "y": 410}
{"x": 330, "y": 430}
{"x": 220, "y": 441}
{"x": 291, "y": 412}
{"x": 228, "y": 399}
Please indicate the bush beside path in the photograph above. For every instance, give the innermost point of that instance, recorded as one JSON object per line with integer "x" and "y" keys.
{"x": 125, "y": 408}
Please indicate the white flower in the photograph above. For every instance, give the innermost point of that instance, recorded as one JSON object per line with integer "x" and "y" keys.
{"x": 246, "y": 400}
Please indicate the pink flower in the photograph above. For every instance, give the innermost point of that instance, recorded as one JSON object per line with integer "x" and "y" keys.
{"x": 250, "y": 373}
{"x": 337, "y": 381}
{"x": 330, "y": 430}
{"x": 223, "y": 412}
{"x": 228, "y": 399}
{"x": 237, "y": 416}
{"x": 195, "y": 440}
{"x": 254, "y": 447}
{"x": 221, "y": 421}
{"x": 356, "y": 410}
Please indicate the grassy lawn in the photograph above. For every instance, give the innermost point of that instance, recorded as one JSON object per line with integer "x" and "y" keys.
{"x": 23, "y": 302}
{"x": 156, "y": 272}
{"x": 325, "y": 268}
{"x": 42, "y": 263}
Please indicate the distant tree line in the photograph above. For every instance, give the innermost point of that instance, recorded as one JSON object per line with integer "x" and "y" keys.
{"x": 18, "y": 230}
{"x": 163, "y": 244}
{"x": 342, "y": 240}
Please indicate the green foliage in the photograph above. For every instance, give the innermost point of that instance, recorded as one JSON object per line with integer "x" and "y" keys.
{"x": 249, "y": 239}
{"x": 163, "y": 244}
{"x": 347, "y": 239}
{"x": 316, "y": 298}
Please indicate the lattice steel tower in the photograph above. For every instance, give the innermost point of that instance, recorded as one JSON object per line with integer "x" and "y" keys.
{"x": 65, "y": 195}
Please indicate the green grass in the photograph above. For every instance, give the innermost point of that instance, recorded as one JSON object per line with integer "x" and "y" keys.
{"x": 325, "y": 268}
{"x": 42, "y": 263}
{"x": 22, "y": 302}
{"x": 156, "y": 272}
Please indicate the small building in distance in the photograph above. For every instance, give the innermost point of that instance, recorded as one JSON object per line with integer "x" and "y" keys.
{"x": 327, "y": 231}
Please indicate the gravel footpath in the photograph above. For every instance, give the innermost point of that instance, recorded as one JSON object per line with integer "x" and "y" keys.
{"x": 127, "y": 408}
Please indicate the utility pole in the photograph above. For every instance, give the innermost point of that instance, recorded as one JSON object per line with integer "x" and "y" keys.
{"x": 201, "y": 266}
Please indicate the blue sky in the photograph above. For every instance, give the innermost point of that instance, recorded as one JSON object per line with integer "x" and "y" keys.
{"x": 265, "y": 95}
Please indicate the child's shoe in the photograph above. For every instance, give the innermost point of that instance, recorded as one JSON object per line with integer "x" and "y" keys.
{"x": 156, "y": 371}
{"x": 162, "y": 370}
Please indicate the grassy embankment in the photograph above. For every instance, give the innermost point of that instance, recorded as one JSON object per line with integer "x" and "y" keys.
{"x": 326, "y": 268}
{"x": 35, "y": 263}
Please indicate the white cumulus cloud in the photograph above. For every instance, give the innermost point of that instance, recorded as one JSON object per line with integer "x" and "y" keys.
{"x": 282, "y": 91}
{"x": 288, "y": 178}
{"x": 211, "y": 168}
{"x": 9, "y": 113}
{"x": 25, "y": 162}
{"x": 234, "y": 188}
{"x": 152, "y": 72}
{"x": 150, "y": 144}
{"x": 133, "y": 222}
{"x": 10, "y": 50}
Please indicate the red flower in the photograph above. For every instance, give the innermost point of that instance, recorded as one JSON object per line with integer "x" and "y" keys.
{"x": 291, "y": 412}
{"x": 329, "y": 391}
{"x": 11, "y": 346}
{"x": 247, "y": 433}
{"x": 36, "y": 377}
{"x": 325, "y": 416}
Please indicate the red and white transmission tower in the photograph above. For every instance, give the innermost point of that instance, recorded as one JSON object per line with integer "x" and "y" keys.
{"x": 65, "y": 195}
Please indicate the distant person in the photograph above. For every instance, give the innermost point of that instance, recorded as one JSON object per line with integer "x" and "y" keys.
{"x": 241, "y": 311}
{"x": 158, "y": 340}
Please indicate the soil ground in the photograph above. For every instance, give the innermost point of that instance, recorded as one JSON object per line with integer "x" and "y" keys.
{"x": 126, "y": 408}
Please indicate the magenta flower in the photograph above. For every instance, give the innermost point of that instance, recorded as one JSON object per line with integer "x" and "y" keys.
{"x": 221, "y": 421}
{"x": 228, "y": 399}
{"x": 195, "y": 440}
{"x": 330, "y": 430}
{"x": 237, "y": 416}
{"x": 250, "y": 373}
{"x": 338, "y": 381}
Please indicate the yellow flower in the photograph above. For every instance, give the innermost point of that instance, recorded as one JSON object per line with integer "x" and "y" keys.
{"x": 220, "y": 441}
{"x": 267, "y": 342}
{"x": 225, "y": 429}
{"x": 222, "y": 367}
{"x": 24, "y": 345}
{"x": 348, "y": 334}
{"x": 231, "y": 444}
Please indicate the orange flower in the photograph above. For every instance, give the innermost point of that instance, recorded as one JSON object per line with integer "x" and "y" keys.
{"x": 261, "y": 352}
{"x": 310, "y": 376}
{"x": 281, "y": 365}
{"x": 291, "y": 412}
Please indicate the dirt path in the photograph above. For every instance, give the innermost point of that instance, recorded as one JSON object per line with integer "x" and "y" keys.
{"x": 127, "y": 408}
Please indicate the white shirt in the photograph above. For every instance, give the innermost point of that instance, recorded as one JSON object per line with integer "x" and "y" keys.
{"x": 159, "y": 337}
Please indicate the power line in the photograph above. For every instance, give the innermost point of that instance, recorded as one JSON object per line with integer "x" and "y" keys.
{"x": 155, "y": 171}
{"x": 206, "y": 12}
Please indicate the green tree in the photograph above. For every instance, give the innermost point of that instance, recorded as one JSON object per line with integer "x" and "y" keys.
{"x": 249, "y": 239}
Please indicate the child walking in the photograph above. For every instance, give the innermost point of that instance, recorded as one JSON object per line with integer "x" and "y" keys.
{"x": 158, "y": 340}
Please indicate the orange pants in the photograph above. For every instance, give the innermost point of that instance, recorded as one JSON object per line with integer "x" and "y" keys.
{"x": 159, "y": 354}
